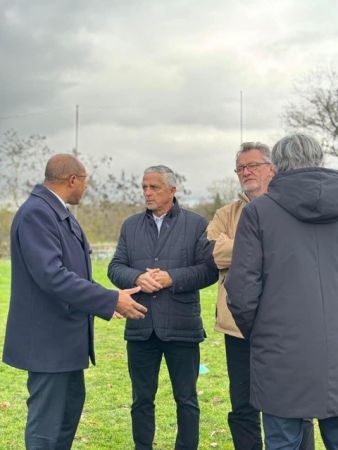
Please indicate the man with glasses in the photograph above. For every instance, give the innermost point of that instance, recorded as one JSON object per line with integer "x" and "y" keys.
{"x": 53, "y": 300}
{"x": 254, "y": 170}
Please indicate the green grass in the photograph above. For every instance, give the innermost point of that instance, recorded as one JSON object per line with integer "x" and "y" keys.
{"x": 105, "y": 423}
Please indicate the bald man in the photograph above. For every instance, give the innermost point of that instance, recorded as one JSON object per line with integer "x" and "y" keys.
{"x": 53, "y": 301}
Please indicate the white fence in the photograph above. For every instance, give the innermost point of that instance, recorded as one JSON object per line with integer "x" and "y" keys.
{"x": 102, "y": 251}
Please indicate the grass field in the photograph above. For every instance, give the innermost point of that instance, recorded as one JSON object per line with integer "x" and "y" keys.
{"x": 105, "y": 422}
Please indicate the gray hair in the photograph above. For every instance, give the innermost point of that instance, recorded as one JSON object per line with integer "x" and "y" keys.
{"x": 296, "y": 151}
{"x": 167, "y": 174}
{"x": 262, "y": 148}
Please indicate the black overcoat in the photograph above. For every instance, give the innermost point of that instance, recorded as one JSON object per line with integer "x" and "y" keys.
{"x": 283, "y": 293}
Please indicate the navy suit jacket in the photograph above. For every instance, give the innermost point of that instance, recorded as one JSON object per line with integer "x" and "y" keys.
{"x": 53, "y": 297}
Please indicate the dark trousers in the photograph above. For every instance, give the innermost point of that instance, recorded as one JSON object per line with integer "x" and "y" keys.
{"x": 244, "y": 419}
{"x": 182, "y": 359}
{"x": 286, "y": 434}
{"x": 54, "y": 409}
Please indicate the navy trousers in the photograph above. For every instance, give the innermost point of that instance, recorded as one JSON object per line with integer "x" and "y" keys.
{"x": 144, "y": 361}
{"x": 244, "y": 419}
{"x": 286, "y": 434}
{"x": 54, "y": 409}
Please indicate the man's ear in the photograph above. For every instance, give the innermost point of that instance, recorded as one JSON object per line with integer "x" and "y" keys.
{"x": 71, "y": 180}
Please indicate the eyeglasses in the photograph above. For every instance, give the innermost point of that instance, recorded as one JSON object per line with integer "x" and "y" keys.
{"x": 82, "y": 176}
{"x": 251, "y": 167}
{"x": 67, "y": 178}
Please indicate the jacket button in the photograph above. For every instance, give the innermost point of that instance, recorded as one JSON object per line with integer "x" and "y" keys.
{"x": 154, "y": 296}
{"x": 156, "y": 259}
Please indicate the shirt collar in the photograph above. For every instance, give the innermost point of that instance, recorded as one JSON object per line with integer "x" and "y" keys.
{"x": 58, "y": 197}
{"x": 159, "y": 218}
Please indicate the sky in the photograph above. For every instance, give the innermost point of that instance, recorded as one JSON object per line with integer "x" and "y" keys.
{"x": 159, "y": 81}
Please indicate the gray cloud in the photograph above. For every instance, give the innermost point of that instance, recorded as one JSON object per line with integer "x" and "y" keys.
{"x": 156, "y": 78}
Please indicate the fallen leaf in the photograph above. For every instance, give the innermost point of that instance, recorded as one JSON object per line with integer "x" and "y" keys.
{"x": 4, "y": 405}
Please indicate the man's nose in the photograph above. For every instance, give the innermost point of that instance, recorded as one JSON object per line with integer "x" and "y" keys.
{"x": 245, "y": 168}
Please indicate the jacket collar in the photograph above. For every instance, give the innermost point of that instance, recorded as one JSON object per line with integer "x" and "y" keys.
{"x": 242, "y": 196}
{"x": 171, "y": 213}
{"x": 41, "y": 191}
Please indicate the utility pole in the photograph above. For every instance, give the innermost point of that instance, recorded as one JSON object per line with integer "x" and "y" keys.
{"x": 241, "y": 115}
{"x": 76, "y": 149}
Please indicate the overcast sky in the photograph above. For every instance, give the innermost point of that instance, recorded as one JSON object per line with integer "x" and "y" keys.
{"x": 159, "y": 81}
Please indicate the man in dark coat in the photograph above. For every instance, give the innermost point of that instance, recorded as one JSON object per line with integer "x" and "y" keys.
{"x": 254, "y": 170}
{"x": 164, "y": 250}
{"x": 53, "y": 298}
{"x": 282, "y": 291}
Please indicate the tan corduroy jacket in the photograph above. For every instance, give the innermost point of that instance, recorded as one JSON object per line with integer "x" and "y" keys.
{"x": 225, "y": 221}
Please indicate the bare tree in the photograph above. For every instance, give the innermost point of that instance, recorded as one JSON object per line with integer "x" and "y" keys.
{"x": 21, "y": 160}
{"x": 110, "y": 197}
{"x": 105, "y": 186}
{"x": 316, "y": 108}
{"x": 221, "y": 192}
{"x": 225, "y": 190}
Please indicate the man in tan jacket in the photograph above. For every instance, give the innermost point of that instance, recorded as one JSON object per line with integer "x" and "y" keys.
{"x": 254, "y": 170}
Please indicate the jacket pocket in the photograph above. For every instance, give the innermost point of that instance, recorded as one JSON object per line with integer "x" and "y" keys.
{"x": 186, "y": 297}
{"x": 185, "y": 305}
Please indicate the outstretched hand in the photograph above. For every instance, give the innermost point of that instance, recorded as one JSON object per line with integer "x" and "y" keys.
{"x": 127, "y": 307}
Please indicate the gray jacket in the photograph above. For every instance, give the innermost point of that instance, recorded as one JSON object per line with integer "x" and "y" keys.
{"x": 283, "y": 293}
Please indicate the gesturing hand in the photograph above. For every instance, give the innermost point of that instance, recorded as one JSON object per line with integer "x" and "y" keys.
{"x": 117, "y": 315}
{"x": 127, "y": 307}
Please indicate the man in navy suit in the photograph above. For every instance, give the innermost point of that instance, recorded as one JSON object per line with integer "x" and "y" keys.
{"x": 53, "y": 301}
